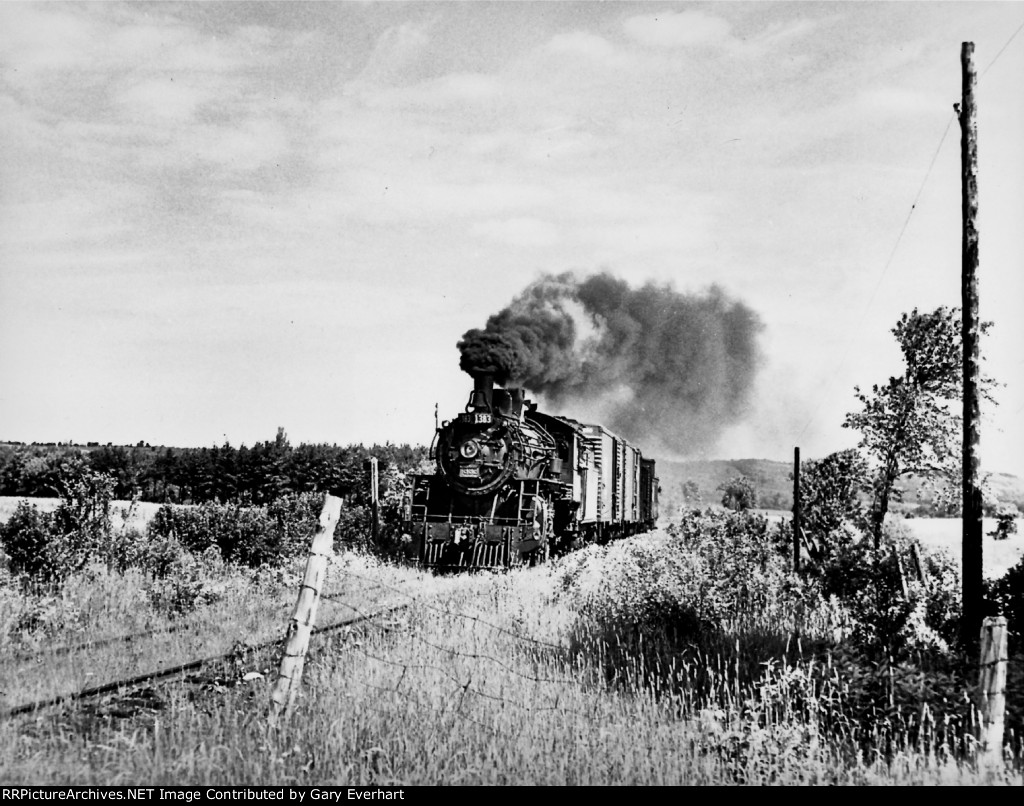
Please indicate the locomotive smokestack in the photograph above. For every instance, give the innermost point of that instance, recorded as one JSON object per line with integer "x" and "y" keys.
{"x": 483, "y": 391}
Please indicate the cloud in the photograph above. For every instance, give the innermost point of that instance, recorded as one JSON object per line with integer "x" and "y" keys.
{"x": 68, "y": 221}
{"x": 777, "y": 36}
{"x": 253, "y": 143}
{"x": 167, "y": 99}
{"x": 581, "y": 43}
{"x": 526, "y": 232}
{"x": 41, "y": 43}
{"x": 455, "y": 89}
{"x": 698, "y": 29}
{"x": 394, "y": 57}
{"x": 896, "y": 101}
{"x": 426, "y": 196}
{"x": 40, "y": 40}
{"x": 677, "y": 29}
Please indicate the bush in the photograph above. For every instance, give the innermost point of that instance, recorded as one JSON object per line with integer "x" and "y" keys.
{"x": 248, "y": 535}
{"x": 900, "y": 598}
{"x": 180, "y": 586}
{"x": 714, "y": 571}
{"x": 738, "y": 494}
{"x": 830, "y": 505}
{"x": 1005, "y": 597}
{"x": 714, "y": 614}
{"x": 25, "y": 538}
{"x": 1006, "y": 522}
{"x": 49, "y": 547}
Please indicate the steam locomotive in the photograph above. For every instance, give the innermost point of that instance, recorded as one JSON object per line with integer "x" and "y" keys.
{"x": 513, "y": 485}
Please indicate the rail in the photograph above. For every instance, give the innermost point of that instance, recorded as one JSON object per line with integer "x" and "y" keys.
{"x": 138, "y": 680}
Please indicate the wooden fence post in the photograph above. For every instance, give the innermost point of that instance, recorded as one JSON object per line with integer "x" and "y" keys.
{"x": 992, "y": 690}
{"x": 304, "y": 615}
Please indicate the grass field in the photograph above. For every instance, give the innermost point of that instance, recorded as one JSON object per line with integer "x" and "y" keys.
{"x": 474, "y": 684}
{"x": 486, "y": 679}
{"x": 946, "y": 534}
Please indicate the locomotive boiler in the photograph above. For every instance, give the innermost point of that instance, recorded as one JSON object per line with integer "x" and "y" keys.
{"x": 512, "y": 485}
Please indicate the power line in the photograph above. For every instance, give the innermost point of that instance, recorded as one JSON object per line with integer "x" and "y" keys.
{"x": 1004, "y": 47}
{"x": 885, "y": 269}
{"x": 899, "y": 237}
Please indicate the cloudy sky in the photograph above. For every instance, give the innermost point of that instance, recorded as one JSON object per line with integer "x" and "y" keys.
{"x": 221, "y": 218}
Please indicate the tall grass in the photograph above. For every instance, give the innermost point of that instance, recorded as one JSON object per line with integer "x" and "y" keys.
{"x": 691, "y": 656}
{"x": 711, "y": 612}
{"x": 484, "y": 680}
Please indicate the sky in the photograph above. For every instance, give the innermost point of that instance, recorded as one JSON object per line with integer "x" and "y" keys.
{"x": 218, "y": 219}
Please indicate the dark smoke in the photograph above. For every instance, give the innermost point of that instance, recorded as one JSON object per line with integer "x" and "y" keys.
{"x": 666, "y": 370}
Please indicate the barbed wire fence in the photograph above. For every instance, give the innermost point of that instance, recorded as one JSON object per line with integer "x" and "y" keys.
{"x": 381, "y": 629}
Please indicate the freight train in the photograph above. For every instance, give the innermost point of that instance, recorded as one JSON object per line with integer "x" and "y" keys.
{"x": 513, "y": 485}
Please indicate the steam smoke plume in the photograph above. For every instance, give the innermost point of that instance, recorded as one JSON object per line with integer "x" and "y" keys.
{"x": 665, "y": 370}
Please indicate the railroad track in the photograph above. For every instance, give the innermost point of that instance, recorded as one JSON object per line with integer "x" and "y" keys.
{"x": 137, "y": 682}
{"x": 70, "y": 649}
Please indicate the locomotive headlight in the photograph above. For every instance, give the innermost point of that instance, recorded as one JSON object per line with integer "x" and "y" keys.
{"x": 469, "y": 449}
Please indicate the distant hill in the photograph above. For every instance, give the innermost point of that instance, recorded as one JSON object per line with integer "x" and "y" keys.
{"x": 771, "y": 480}
{"x": 775, "y": 486}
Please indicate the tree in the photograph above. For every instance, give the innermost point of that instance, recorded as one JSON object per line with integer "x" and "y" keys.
{"x": 691, "y": 494}
{"x": 912, "y": 424}
{"x": 119, "y": 463}
{"x": 738, "y": 494}
{"x": 829, "y": 496}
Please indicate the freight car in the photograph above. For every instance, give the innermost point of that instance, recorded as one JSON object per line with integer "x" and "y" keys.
{"x": 512, "y": 485}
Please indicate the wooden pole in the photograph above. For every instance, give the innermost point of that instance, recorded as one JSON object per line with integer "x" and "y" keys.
{"x": 972, "y": 526}
{"x": 304, "y": 615}
{"x": 992, "y": 690}
{"x": 374, "y": 499}
{"x": 919, "y": 566}
{"x": 900, "y": 571}
{"x": 796, "y": 509}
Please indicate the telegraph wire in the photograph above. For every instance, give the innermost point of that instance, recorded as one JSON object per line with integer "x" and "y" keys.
{"x": 193, "y": 665}
{"x": 1003, "y": 48}
{"x": 430, "y": 606}
{"x": 885, "y": 269}
{"x": 899, "y": 237}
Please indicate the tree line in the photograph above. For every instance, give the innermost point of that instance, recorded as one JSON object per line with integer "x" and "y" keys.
{"x": 259, "y": 474}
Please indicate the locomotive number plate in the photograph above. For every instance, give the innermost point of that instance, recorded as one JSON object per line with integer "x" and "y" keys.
{"x": 469, "y": 472}
{"x": 476, "y": 418}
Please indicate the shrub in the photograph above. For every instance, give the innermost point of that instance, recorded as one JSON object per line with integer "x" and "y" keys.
{"x": 127, "y": 548}
{"x": 248, "y": 535}
{"x": 738, "y": 494}
{"x": 25, "y": 538}
{"x": 49, "y": 547}
{"x": 714, "y": 571}
{"x": 355, "y": 527}
{"x": 1006, "y": 522}
{"x": 900, "y": 598}
{"x": 181, "y": 587}
{"x": 829, "y": 490}
{"x": 1005, "y": 597}
{"x": 857, "y": 649}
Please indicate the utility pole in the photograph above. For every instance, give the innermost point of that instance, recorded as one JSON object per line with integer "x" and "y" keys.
{"x": 374, "y": 500}
{"x": 972, "y": 528}
{"x": 796, "y": 508}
